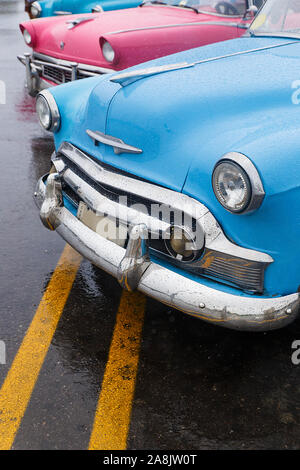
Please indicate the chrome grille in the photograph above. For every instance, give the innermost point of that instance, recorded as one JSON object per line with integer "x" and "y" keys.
{"x": 110, "y": 192}
{"x": 56, "y": 75}
{"x": 58, "y": 70}
{"x": 236, "y": 266}
{"x": 63, "y": 74}
{"x": 248, "y": 275}
{"x": 237, "y": 272}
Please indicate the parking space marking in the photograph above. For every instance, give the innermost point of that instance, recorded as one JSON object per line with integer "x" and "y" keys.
{"x": 22, "y": 376}
{"x": 112, "y": 418}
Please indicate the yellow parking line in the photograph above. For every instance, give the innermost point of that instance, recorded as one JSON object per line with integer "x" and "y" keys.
{"x": 21, "y": 378}
{"x": 113, "y": 413}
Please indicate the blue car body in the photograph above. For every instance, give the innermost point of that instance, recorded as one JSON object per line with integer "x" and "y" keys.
{"x": 185, "y": 120}
{"x": 51, "y": 7}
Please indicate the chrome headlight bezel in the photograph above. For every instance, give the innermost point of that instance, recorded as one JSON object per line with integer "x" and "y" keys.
{"x": 252, "y": 180}
{"x": 54, "y": 114}
{"x": 38, "y": 9}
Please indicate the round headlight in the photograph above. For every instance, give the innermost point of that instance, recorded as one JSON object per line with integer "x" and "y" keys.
{"x": 47, "y": 111}
{"x": 231, "y": 186}
{"x": 181, "y": 245}
{"x": 27, "y": 37}
{"x": 108, "y": 52}
{"x": 43, "y": 112}
{"x": 35, "y": 10}
{"x": 237, "y": 183}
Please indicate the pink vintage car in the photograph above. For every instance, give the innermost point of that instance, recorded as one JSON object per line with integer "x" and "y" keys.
{"x": 72, "y": 47}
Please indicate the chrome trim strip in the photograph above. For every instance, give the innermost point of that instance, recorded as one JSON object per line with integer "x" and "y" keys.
{"x": 169, "y": 287}
{"x": 177, "y": 25}
{"x": 281, "y": 34}
{"x": 118, "y": 145}
{"x": 215, "y": 238}
{"x": 61, "y": 13}
{"x": 248, "y": 51}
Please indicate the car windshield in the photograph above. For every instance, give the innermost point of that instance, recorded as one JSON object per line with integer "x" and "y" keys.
{"x": 278, "y": 18}
{"x": 224, "y": 8}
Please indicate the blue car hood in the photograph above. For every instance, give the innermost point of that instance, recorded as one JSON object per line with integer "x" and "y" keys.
{"x": 185, "y": 120}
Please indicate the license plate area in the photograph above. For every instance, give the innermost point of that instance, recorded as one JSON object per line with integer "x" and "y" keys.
{"x": 106, "y": 227}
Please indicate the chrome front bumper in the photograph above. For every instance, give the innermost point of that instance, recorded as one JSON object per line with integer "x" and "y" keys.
{"x": 133, "y": 268}
{"x": 35, "y": 65}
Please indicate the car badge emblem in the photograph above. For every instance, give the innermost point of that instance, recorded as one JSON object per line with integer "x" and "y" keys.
{"x": 62, "y": 45}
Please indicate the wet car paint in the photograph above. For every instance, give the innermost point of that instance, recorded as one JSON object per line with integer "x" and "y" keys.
{"x": 198, "y": 386}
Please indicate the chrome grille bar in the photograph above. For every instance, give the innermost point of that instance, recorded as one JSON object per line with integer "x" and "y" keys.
{"x": 221, "y": 259}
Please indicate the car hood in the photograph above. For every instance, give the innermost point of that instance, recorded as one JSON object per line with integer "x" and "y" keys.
{"x": 134, "y": 34}
{"x": 184, "y": 120}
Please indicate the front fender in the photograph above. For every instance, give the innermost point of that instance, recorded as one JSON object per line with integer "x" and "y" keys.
{"x": 270, "y": 138}
{"x": 80, "y": 108}
{"x": 71, "y": 99}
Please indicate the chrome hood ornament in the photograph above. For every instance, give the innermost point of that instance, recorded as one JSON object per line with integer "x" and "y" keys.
{"x": 118, "y": 145}
{"x": 73, "y": 23}
{"x": 129, "y": 77}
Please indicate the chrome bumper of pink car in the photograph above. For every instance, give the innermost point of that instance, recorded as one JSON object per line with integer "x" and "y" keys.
{"x": 43, "y": 71}
{"x": 132, "y": 267}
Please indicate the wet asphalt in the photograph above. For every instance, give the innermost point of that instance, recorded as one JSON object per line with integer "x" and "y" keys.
{"x": 198, "y": 386}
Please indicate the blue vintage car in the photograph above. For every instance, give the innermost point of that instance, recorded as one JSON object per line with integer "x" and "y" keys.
{"x": 42, "y": 8}
{"x": 181, "y": 177}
